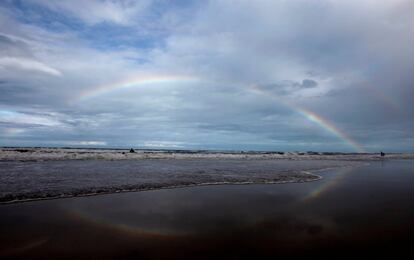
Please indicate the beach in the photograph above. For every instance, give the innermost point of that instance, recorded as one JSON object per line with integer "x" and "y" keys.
{"x": 37, "y": 174}
{"x": 362, "y": 210}
{"x": 206, "y": 129}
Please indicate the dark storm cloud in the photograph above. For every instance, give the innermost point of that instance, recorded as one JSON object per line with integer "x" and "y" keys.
{"x": 12, "y": 93}
{"x": 288, "y": 87}
{"x": 308, "y": 83}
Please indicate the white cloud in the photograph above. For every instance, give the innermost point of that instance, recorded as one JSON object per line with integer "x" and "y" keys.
{"x": 96, "y": 11}
{"x": 27, "y": 64}
{"x": 163, "y": 144}
{"x": 87, "y": 143}
{"x": 13, "y": 117}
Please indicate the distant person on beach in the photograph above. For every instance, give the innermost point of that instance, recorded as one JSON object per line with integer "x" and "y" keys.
{"x": 382, "y": 154}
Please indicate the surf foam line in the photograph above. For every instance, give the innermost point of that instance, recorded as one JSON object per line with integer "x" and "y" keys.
{"x": 307, "y": 176}
{"x": 315, "y": 118}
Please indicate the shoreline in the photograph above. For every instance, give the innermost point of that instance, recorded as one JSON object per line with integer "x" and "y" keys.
{"x": 61, "y": 154}
{"x": 315, "y": 176}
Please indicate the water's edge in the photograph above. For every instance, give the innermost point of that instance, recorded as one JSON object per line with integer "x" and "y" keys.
{"x": 312, "y": 176}
{"x": 66, "y": 196}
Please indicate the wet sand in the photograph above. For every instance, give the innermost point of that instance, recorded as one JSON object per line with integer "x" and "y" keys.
{"x": 365, "y": 211}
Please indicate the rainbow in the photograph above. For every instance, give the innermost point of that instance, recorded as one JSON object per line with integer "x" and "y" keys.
{"x": 85, "y": 215}
{"x": 133, "y": 82}
{"x": 327, "y": 184}
{"x": 330, "y": 127}
{"x": 142, "y": 80}
{"x": 381, "y": 96}
{"x": 9, "y": 132}
{"x": 315, "y": 118}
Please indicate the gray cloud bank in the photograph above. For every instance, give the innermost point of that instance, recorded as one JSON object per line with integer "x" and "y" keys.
{"x": 350, "y": 62}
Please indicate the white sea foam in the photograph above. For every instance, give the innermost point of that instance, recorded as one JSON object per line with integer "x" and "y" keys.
{"x": 42, "y": 154}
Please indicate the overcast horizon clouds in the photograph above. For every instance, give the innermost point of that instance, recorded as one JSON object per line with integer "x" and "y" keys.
{"x": 322, "y": 75}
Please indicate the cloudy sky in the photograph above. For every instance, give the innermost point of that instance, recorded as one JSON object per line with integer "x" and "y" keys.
{"x": 323, "y": 75}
